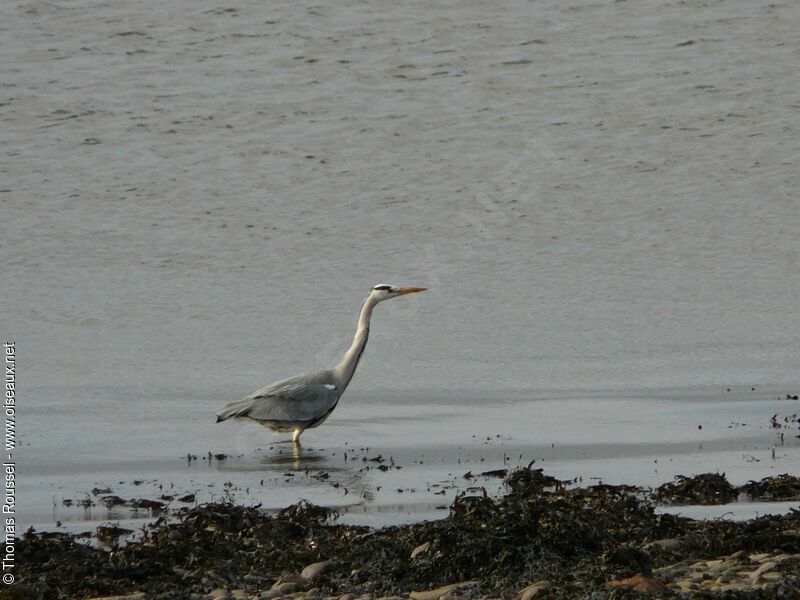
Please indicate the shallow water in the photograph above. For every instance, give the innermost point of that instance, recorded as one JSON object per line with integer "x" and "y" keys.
{"x": 396, "y": 459}
{"x": 196, "y": 197}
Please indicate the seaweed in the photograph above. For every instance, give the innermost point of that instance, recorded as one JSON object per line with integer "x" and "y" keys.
{"x": 602, "y": 541}
{"x": 779, "y": 487}
{"x": 707, "y": 488}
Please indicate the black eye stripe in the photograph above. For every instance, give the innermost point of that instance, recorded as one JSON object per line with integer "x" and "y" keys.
{"x": 382, "y": 287}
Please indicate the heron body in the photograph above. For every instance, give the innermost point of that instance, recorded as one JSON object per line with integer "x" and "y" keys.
{"x": 306, "y": 401}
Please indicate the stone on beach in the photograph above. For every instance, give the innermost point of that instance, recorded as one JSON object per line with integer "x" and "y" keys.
{"x": 314, "y": 570}
{"x": 639, "y": 583}
{"x": 421, "y": 549}
{"x": 533, "y": 590}
{"x": 437, "y": 593}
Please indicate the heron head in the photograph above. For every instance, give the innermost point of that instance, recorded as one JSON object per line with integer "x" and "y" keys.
{"x": 385, "y": 291}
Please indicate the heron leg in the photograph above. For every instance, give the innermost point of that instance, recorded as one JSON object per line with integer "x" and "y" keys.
{"x": 296, "y": 436}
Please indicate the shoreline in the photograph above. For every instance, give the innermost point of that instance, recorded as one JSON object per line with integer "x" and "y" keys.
{"x": 401, "y": 471}
{"x": 542, "y": 538}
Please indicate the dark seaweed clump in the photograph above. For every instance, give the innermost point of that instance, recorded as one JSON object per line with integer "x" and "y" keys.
{"x": 708, "y": 488}
{"x": 780, "y": 487}
{"x": 578, "y": 539}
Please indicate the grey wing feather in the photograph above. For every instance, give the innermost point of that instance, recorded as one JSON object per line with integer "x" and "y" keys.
{"x": 295, "y": 399}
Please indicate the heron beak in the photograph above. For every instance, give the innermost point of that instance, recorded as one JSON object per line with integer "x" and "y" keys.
{"x": 409, "y": 290}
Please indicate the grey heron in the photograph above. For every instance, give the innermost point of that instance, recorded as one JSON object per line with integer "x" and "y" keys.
{"x": 305, "y": 401}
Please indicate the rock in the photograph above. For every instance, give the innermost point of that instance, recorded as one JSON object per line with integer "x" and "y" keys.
{"x": 767, "y": 566}
{"x": 239, "y": 594}
{"x": 314, "y": 570}
{"x": 421, "y": 549}
{"x": 639, "y": 583}
{"x": 347, "y": 597}
{"x": 435, "y": 594}
{"x": 782, "y": 557}
{"x": 759, "y": 557}
{"x": 270, "y": 594}
{"x": 134, "y": 596}
{"x": 533, "y": 590}
{"x": 724, "y": 578}
{"x": 218, "y": 594}
{"x": 287, "y": 587}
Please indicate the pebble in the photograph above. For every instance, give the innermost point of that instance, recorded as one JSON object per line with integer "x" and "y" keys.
{"x": 436, "y": 593}
{"x": 781, "y": 557}
{"x": 314, "y": 570}
{"x": 421, "y": 549}
{"x": 533, "y": 590}
{"x": 287, "y": 587}
{"x": 767, "y": 566}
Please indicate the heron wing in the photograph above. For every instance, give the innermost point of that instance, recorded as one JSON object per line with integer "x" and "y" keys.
{"x": 297, "y": 399}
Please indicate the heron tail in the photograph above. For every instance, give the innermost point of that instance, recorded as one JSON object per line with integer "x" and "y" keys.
{"x": 239, "y": 408}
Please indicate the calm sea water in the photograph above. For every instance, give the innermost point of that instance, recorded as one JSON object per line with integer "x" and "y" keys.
{"x": 602, "y": 199}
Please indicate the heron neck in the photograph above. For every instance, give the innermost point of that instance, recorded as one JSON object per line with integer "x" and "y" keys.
{"x": 344, "y": 370}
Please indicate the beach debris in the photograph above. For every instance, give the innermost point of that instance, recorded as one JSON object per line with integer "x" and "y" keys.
{"x": 86, "y": 502}
{"x": 707, "y": 488}
{"x": 145, "y": 504}
{"x": 111, "y": 501}
{"x": 527, "y": 480}
{"x": 495, "y": 473}
{"x": 110, "y": 534}
{"x": 779, "y": 487}
{"x": 306, "y": 513}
